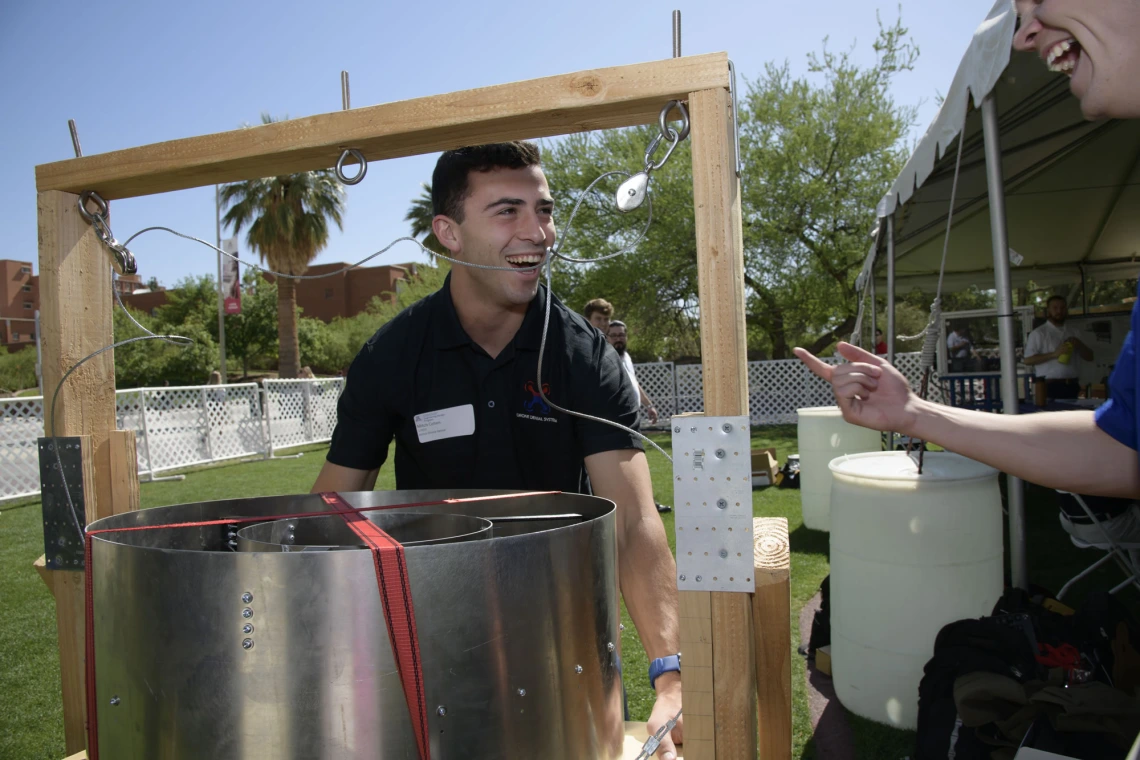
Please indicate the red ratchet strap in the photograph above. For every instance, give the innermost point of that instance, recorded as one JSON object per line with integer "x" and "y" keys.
{"x": 399, "y": 614}
{"x": 391, "y": 578}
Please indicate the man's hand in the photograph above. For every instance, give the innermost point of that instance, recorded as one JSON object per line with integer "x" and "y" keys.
{"x": 667, "y": 705}
{"x": 652, "y": 412}
{"x": 869, "y": 391}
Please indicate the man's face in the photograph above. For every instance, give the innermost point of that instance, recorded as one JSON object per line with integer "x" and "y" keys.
{"x": 600, "y": 321}
{"x": 1057, "y": 310}
{"x": 508, "y": 221}
{"x": 1094, "y": 42}
{"x": 616, "y": 337}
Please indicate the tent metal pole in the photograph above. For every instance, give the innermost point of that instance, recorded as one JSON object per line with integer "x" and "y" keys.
{"x": 1019, "y": 568}
{"x": 891, "y": 288}
{"x": 874, "y": 310}
{"x": 891, "y": 306}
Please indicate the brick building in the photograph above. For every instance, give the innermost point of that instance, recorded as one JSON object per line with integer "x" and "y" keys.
{"x": 20, "y": 300}
{"x": 341, "y": 295}
{"x": 348, "y": 293}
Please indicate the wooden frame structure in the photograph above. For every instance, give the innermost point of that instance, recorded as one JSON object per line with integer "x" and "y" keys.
{"x": 724, "y": 653}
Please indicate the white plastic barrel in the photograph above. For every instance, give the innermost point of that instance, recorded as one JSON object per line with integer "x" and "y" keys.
{"x": 909, "y": 554}
{"x": 824, "y": 435}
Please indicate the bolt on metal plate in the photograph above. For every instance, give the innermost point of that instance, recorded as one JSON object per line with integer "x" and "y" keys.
{"x": 63, "y": 546}
{"x": 712, "y": 503}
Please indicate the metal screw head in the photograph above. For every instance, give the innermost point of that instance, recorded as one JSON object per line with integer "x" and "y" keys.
{"x": 522, "y": 692}
{"x": 115, "y": 701}
{"x": 247, "y": 613}
{"x": 441, "y": 711}
{"x": 247, "y": 629}
{"x": 682, "y": 577}
{"x": 722, "y": 503}
{"x": 610, "y": 647}
{"x": 724, "y": 553}
{"x": 578, "y": 669}
{"x": 698, "y": 579}
{"x": 677, "y": 429}
{"x": 247, "y": 597}
{"x": 720, "y": 453}
{"x": 247, "y": 643}
{"x": 726, "y": 427}
{"x": 693, "y": 429}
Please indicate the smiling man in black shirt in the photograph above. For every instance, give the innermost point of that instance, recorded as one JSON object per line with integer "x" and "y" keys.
{"x": 453, "y": 379}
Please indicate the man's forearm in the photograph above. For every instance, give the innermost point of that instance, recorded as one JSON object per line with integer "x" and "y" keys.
{"x": 647, "y": 572}
{"x": 1033, "y": 361}
{"x": 1064, "y": 450}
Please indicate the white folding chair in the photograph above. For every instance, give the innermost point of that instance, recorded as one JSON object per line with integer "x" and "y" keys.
{"x": 1127, "y": 558}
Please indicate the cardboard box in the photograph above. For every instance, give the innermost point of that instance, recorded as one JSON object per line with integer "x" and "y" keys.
{"x": 764, "y": 467}
{"x": 823, "y": 660}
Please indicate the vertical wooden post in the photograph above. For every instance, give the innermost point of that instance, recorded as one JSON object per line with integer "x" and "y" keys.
{"x": 772, "y": 614}
{"x": 720, "y": 268}
{"x": 75, "y": 313}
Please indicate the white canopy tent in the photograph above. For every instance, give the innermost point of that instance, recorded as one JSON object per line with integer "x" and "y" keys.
{"x": 1066, "y": 190}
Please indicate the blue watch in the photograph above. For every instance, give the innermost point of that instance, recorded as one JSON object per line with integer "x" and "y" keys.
{"x": 670, "y": 664}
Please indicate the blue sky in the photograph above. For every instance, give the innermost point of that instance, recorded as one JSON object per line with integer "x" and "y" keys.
{"x": 133, "y": 73}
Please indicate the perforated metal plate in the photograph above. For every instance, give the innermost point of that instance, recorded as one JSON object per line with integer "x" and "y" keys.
{"x": 712, "y": 500}
{"x": 63, "y": 546}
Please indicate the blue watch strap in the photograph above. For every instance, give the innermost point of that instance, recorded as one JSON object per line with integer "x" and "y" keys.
{"x": 670, "y": 664}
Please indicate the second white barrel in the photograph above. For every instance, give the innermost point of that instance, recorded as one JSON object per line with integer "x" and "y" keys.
{"x": 823, "y": 436}
{"x": 909, "y": 554}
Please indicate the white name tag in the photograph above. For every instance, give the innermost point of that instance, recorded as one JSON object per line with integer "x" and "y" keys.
{"x": 445, "y": 423}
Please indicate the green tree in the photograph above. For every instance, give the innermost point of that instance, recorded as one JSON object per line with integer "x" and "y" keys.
{"x": 252, "y": 334}
{"x": 819, "y": 151}
{"x": 420, "y": 214}
{"x": 288, "y": 221}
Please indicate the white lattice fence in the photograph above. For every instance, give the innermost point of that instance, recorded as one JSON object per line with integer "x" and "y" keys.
{"x": 776, "y": 389}
{"x": 657, "y": 381}
{"x": 690, "y": 388}
{"x": 21, "y": 424}
{"x": 301, "y": 411}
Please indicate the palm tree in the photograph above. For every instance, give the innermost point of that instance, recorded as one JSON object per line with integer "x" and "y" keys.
{"x": 288, "y": 220}
{"x": 420, "y": 214}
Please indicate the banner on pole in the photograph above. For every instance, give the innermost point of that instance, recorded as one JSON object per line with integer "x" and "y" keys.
{"x": 231, "y": 278}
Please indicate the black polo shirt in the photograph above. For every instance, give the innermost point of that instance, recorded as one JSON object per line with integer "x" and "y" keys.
{"x": 423, "y": 361}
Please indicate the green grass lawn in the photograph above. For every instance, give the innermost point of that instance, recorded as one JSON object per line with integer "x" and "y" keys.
{"x": 31, "y": 719}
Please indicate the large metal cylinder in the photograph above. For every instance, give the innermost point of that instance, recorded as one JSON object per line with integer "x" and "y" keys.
{"x": 517, "y": 624}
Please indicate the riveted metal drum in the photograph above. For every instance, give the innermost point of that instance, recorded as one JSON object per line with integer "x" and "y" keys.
{"x": 203, "y": 650}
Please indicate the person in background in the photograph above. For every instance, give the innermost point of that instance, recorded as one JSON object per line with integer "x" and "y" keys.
{"x": 959, "y": 348}
{"x": 1054, "y": 351}
{"x": 880, "y": 344}
{"x": 617, "y": 334}
{"x": 598, "y": 313}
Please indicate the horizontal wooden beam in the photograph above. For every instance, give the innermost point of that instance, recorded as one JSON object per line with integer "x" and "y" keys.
{"x": 621, "y": 96}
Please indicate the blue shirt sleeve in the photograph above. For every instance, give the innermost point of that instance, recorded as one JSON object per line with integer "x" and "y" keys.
{"x": 1117, "y": 416}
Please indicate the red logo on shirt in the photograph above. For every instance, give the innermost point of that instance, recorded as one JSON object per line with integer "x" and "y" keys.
{"x": 535, "y": 403}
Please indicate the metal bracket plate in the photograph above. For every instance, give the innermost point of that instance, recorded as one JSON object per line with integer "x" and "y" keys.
{"x": 63, "y": 547}
{"x": 712, "y": 500}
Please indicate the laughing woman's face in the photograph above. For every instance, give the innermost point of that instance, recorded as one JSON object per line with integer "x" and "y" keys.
{"x": 1096, "y": 43}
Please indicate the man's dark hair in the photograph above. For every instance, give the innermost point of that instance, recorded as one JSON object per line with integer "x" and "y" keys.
{"x": 449, "y": 180}
{"x": 618, "y": 323}
{"x": 599, "y": 306}
{"x": 1056, "y": 298}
